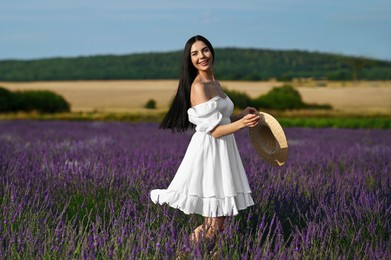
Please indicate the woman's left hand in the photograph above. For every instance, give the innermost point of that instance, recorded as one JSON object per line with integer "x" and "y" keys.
{"x": 249, "y": 110}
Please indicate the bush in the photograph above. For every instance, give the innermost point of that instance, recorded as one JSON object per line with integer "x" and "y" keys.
{"x": 42, "y": 101}
{"x": 279, "y": 98}
{"x": 151, "y": 104}
{"x": 285, "y": 97}
{"x": 240, "y": 99}
{"x": 6, "y": 100}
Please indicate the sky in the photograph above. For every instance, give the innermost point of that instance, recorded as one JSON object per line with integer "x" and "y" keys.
{"x": 31, "y": 29}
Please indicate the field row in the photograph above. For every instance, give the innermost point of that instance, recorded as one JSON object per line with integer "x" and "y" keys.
{"x": 72, "y": 190}
{"x": 125, "y": 96}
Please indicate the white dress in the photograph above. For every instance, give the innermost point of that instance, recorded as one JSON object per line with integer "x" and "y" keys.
{"x": 211, "y": 180}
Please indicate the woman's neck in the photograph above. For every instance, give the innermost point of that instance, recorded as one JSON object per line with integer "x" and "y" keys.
{"x": 206, "y": 76}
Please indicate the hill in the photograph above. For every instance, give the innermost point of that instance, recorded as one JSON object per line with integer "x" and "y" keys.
{"x": 231, "y": 64}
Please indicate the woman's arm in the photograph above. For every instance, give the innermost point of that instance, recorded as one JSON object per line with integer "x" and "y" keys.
{"x": 249, "y": 120}
{"x": 248, "y": 110}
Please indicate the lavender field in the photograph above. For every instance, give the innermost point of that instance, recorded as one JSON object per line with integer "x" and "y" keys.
{"x": 80, "y": 190}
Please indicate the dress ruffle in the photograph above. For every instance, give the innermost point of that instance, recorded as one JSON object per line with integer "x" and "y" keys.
{"x": 205, "y": 116}
{"x": 207, "y": 207}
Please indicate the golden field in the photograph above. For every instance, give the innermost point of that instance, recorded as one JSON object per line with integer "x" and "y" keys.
{"x": 130, "y": 95}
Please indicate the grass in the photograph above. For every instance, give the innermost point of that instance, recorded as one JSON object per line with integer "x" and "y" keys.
{"x": 299, "y": 118}
{"x": 152, "y": 116}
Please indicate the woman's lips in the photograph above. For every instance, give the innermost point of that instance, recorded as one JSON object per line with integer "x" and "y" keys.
{"x": 203, "y": 63}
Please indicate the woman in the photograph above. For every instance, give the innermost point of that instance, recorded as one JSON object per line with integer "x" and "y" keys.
{"x": 211, "y": 180}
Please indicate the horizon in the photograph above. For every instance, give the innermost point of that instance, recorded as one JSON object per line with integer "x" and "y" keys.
{"x": 168, "y": 51}
{"x": 45, "y": 29}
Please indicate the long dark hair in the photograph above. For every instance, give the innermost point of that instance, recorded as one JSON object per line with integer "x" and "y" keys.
{"x": 176, "y": 118}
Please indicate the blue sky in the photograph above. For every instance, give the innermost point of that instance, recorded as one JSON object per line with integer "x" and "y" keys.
{"x": 51, "y": 28}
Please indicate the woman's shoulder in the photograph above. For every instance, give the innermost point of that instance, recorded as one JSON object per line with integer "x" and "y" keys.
{"x": 199, "y": 87}
{"x": 199, "y": 93}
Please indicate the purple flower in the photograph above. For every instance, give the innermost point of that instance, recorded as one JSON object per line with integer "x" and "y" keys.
{"x": 81, "y": 190}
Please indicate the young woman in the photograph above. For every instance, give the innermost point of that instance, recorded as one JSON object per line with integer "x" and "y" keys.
{"x": 211, "y": 180}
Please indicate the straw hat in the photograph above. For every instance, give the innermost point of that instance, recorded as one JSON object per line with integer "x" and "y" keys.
{"x": 268, "y": 139}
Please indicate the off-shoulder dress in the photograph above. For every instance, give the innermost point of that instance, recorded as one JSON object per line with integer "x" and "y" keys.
{"x": 211, "y": 180}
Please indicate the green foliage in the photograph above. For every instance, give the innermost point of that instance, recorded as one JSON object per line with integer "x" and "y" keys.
{"x": 6, "y": 100}
{"x": 42, "y": 101}
{"x": 285, "y": 97}
{"x": 335, "y": 121}
{"x": 240, "y": 99}
{"x": 151, "y": 104}
{"x": 338, "y": 122}
{"x": 231, "y": 64}
{"x": 279, "y": 98}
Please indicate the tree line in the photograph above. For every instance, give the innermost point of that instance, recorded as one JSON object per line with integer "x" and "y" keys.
{"x": 230, "y": 64}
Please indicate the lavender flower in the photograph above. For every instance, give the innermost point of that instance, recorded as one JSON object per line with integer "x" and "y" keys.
{"x": 81, "y": 190}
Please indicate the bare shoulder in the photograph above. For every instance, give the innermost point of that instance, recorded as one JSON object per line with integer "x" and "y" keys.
{"x": 199, "y": 93}
{"x": 198, "y": 87}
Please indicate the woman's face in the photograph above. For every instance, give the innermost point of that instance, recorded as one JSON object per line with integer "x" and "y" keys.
{"x": 201, "y": 56}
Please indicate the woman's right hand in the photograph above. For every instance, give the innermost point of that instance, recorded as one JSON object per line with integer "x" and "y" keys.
{"x": 250, "y": 120}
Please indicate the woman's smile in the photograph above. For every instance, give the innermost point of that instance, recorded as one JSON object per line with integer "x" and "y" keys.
{"x": 204, "y": 62}
{"x": 201, "y": 56}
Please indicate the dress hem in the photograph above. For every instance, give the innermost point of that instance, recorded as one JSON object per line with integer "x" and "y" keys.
{"x": 207, "y": 207}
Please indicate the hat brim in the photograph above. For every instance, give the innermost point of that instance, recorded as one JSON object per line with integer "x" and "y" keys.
{"x": 269, "y": 140}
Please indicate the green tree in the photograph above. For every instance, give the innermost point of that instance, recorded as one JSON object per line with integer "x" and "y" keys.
{"x": 285, "y": 97}
{"x": 151, "y": 104}
{"x": 42, "y": 101}
{"x": 6, "y": 100}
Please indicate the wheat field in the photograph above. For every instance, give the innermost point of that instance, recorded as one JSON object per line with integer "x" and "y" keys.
{"x": 131, "y": 95}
